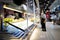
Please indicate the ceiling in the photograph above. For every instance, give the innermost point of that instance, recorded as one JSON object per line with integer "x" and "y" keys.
{"x": 45, "y": 3}
{"x": 55, "y": 4}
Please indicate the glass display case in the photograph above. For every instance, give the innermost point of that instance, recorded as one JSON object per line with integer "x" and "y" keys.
{"x": 20, "y": 20}
{"x": 17, "y": 22}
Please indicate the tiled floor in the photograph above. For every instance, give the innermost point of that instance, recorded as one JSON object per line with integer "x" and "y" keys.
{"x": 54, "y": 30}
{"x": 52, "y": 33}
{"x": 39, "y": 35}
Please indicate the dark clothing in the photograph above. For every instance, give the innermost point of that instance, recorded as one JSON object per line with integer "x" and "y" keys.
{"x": 43, "y": 24}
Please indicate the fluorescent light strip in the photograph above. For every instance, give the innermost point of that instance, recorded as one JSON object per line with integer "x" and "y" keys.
{"x": 11, "y": 9}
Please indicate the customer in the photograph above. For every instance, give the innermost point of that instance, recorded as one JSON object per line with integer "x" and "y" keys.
{"x": 54, "y": 19}
{"x": 43, "y": 22}
{"x": 48, "y": 15}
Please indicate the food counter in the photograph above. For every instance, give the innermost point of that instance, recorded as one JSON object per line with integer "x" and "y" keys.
{"x": 23, "y": 24}
{"x": 15, "y": 26}
{"x": 21, "y": 29}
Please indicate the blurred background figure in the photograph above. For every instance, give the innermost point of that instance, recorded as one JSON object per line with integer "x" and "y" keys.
{"x": 48, "y": 15}
{"x": 43, "y": 25}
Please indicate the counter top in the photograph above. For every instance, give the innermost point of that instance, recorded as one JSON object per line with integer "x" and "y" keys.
{"x": 23, "y": 24}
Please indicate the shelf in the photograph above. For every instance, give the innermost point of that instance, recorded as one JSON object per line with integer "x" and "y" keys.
{"x": 23, "y": 24}
{"x": 11, "y": 9}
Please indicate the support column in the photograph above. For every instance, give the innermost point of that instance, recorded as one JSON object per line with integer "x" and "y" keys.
{"x": 1, "y": 17}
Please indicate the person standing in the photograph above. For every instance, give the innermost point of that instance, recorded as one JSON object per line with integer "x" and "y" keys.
{"x": 43, "y": 25}
{"x": 54, "y": 19}
{"x": 48, "y": 15}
